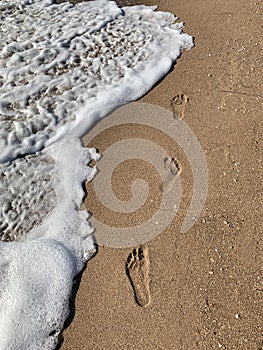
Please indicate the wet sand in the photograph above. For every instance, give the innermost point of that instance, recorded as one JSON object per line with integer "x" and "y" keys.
{"x": 205, "y": 287}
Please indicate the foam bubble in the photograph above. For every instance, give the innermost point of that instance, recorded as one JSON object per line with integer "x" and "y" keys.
{"x": 43, "y": 270}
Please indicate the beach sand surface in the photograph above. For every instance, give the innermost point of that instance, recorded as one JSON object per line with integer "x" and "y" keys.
{"x": 206, "y": 286}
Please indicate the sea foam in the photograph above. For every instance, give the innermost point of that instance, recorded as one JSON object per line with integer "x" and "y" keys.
{"x": 62, "y": 68}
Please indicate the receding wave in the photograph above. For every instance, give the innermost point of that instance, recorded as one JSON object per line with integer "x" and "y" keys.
{"x": 62, "y": 68}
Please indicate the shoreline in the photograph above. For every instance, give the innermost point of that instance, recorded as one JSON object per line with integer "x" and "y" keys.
{"x": 205, "y": 285}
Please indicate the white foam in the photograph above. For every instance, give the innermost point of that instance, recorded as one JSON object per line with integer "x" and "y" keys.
{"x": 62, "y": 68}
{"x": 31, "y": 299}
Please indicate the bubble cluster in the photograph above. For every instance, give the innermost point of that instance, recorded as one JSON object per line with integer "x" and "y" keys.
{"x": 26, "y": 193}
{"x": 39, "y": 302}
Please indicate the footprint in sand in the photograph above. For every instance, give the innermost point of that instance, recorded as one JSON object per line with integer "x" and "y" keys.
{"x": 137, "y": 268}
{"x": 174, "y": 169}
{"x": 178, "y": 104}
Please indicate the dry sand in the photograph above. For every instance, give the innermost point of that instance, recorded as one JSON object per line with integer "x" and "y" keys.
{"x": 206, "y": 285}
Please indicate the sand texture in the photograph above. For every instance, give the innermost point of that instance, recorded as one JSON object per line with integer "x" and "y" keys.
{"x": 203, "y": 289}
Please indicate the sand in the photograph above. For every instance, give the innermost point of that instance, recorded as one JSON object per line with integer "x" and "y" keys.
{"x": 205, "y": 286}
